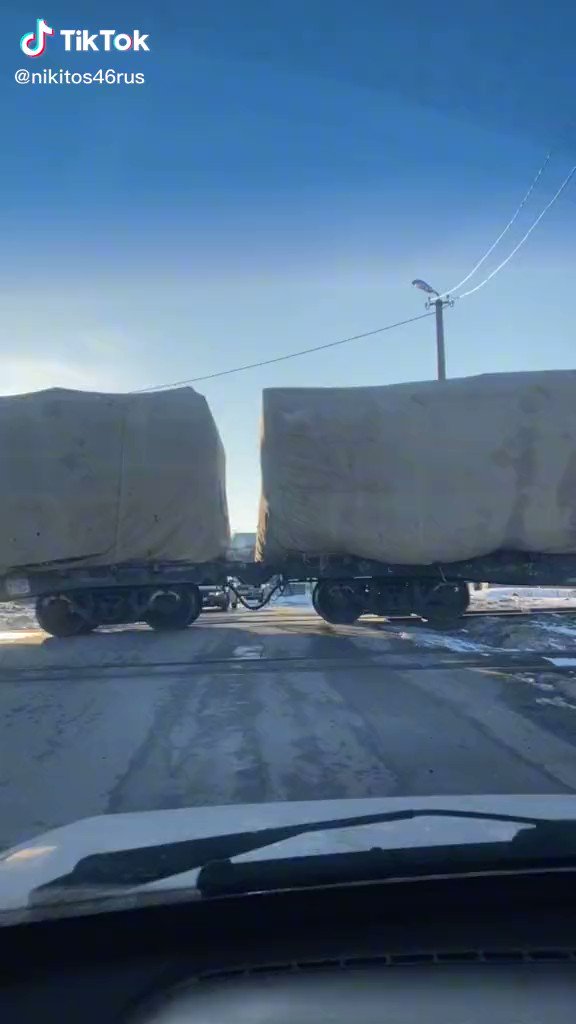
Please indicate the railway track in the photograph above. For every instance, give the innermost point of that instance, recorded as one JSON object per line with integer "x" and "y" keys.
{"x": 481, "y": 613}
{"x": 472, "y": 613}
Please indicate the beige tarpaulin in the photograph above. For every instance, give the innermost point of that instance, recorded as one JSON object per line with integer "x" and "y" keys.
{"x": 424, "y": 472}
{"x": 110, "y": 478}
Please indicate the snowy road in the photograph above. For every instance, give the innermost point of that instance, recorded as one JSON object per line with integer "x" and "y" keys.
{"x": 278, "y": 705}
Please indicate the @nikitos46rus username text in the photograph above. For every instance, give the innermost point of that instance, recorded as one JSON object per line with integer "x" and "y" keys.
{"x": 62, "y": 76}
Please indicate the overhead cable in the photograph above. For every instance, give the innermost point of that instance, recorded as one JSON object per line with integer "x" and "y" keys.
{"x": 512, "y": 220}
{"x": 289, "y": 355}
{"x": 534, "y": 224}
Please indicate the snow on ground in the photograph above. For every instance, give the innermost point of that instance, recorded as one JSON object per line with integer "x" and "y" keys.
{"x": 484, "y": 635}
{"x": 454, "y": 641}
{"x": 16, "y": 616}
{"x": 523, "y": 597}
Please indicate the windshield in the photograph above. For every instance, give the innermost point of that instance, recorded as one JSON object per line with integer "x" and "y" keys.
{"x": 287, "y": 427}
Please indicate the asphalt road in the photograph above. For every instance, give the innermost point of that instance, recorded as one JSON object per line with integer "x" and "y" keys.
{"x": 273, "y": 706}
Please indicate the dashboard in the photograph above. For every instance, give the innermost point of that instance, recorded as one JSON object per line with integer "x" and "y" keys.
{"x": 403, "y": 993}
{"x": 449, "y": 950}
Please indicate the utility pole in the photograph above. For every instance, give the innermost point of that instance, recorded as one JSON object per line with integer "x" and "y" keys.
{"x": 440, "y": 349}
{"x": 438, "y": 304}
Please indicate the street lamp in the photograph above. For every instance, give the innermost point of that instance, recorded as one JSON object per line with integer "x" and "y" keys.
{"x": 438, "y": 304}
{"x": 424, "y": 286}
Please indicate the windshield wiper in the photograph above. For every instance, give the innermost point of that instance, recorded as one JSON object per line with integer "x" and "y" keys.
{"x": 530, "y": 849}
{"x": 546, "y": 837}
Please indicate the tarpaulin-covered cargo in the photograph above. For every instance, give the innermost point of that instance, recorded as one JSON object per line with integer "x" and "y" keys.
{"x": 105, "y": 478}
{"x": 423, "y": 472}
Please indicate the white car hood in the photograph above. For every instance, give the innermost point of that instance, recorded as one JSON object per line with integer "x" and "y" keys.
{"x": 56, "y": 853}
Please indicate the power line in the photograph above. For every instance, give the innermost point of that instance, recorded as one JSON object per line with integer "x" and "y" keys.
{"x": 399, "y": 323}
{"x": 289, "y": 355}
{"x": 505, "y": 231}
{"x": 500, "y": 266}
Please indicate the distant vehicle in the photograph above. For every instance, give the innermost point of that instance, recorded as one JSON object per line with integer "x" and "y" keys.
{"x": 252, "y": 593}
{"x": 220, "y": 598}
{"x": 242, "y": 547}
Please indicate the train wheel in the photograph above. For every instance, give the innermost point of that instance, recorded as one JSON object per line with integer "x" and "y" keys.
{"x": 443, "y": 604}
{"x": 57, "y": 615}
{"x": 173, "y": 609}
{"x": 338, "y": 602}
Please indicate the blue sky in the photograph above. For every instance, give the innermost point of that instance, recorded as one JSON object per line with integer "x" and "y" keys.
{"x": 277, "y": 182}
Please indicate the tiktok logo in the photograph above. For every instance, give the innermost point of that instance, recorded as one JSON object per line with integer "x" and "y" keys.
{"x": 33, "y": 44}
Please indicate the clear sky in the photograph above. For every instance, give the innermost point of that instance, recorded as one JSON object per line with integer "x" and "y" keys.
{"x": 283, "y": 174}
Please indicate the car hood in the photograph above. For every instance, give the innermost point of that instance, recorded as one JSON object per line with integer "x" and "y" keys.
{"x": 56, "y": 853}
